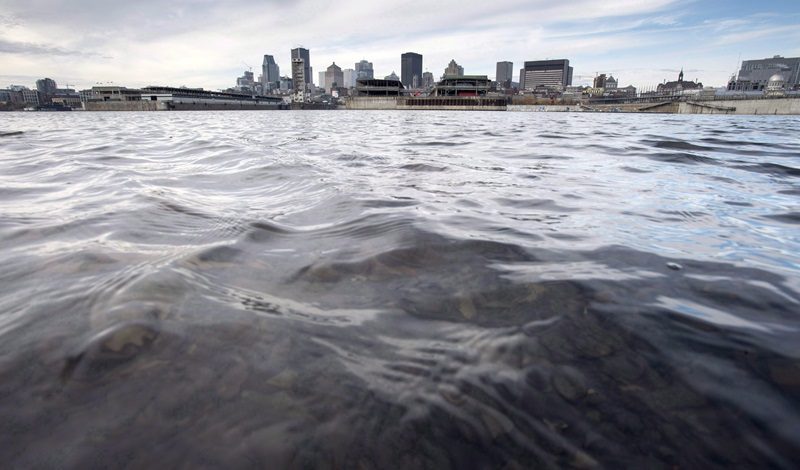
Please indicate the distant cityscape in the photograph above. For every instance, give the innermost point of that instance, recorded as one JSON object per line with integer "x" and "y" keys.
{"x": 536, "y": 79}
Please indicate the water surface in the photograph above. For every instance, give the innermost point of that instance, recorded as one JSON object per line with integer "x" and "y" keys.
{"x": 399, "y": 290}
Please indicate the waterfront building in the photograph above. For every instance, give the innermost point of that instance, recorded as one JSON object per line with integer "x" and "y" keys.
{"x": 628, "y": 91}
{"x": 364, "y": 70}
{"x": 678, "y": 86}
{"x": 349, "y": 78}
{"x": 755, "y": 75}
{"x": 66, "y": 97}
{"x": 171, "y": 98}
{"x": 546, "y": 73}
{"x": 334, "y": 78}
{"x": 410, "y": 66}
{"x": 453, "y": 70}
{"x": 376, "y": 87}
{"x": 392, "y": 76}
{"x": 305, "y": 55}
{"x": 286, "y": 83}
{"x": 504, "y": 75}
{"x": 611, "y": 83}
{"x": 25, "y": 95}
{"x": 463, "y": 85}
{"x": 14, "y": 98}
{"x": 270, "y": 73}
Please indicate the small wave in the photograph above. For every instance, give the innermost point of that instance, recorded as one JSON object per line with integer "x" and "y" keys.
{"x": 789, "y": 217}
{"x": 678, "y": 145}
{"x": 771, "y": 168}
{"x": 684, "y": 158}
{"x": 423, "y": 167}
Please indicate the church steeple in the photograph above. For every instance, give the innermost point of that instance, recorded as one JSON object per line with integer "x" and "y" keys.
{"x": 680, "y": 75}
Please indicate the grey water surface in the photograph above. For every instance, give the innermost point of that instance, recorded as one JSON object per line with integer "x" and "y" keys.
{"x": 399, "y": 290}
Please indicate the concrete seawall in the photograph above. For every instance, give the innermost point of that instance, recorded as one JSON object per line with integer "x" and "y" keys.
{"x": 123, "y": 106}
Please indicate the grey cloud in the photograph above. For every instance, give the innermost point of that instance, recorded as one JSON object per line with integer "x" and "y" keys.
{"x": 27, "y": 48}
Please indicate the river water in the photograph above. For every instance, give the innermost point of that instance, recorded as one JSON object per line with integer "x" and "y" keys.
{"x": 399, "y": 290}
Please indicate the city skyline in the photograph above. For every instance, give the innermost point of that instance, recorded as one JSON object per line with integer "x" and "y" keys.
{"x": 81, "y": 45}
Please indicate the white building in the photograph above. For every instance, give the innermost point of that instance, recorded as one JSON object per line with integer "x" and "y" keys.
{"x": 349, "y": 78}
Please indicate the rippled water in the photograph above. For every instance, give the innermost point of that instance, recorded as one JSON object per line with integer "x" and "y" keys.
{"x": 399, "y": 290}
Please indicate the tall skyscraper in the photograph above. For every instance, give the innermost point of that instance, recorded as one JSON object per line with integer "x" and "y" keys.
{"x": 301, "y": 53}
{"x": 270, "y": 73}
{"x": 364, "y": 70}
{"x": 321, "y": 79}
{"x": 505, "y": 73}
{"x": 548, "y": 73}
{"x": 410, "y": 67}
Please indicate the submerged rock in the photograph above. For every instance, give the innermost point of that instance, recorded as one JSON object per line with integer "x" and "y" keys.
{"x": 108, "y": 349}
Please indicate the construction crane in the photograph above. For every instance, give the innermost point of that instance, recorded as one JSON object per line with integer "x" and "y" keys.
{"x": 248, "y": 66}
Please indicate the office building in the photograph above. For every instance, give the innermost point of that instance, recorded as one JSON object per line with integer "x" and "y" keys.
{"x": 334, "y": 78}
{"x": 546, "y": 73}
{"x": 427, "y": 80}
{"x": 305, "y": 55}
{"x": 246, "y": 82}
{"x": 270, "y": 73}
{"x": 299, "y": 80}
{"x": 392, "y": 76}
{"x": 364, "y": 70}
{"x": 453, "y": 70}
{"x": 349, "y": 78}
{"x": 410, "y": 67}
{"x": 505, "y": 74}
{"x": 321, "y": 79}
{"x": 755, "y": 75}
{"x": 46, "y": 86}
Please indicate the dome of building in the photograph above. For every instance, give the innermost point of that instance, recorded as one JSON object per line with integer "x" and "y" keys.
{"x": 776, "y": 83}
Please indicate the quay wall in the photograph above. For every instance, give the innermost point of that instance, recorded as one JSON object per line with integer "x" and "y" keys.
{"x": 775, "y": 106}
{"x": 452, "y": 108}
{"x": 123, "y": 106}
{"x": 372, "y": 102}
{"x": 543, "y": 108}
{"x": 205, "y": 105}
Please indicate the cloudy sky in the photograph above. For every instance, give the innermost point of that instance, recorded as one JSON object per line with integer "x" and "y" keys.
{"x": 208, "y": 43}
